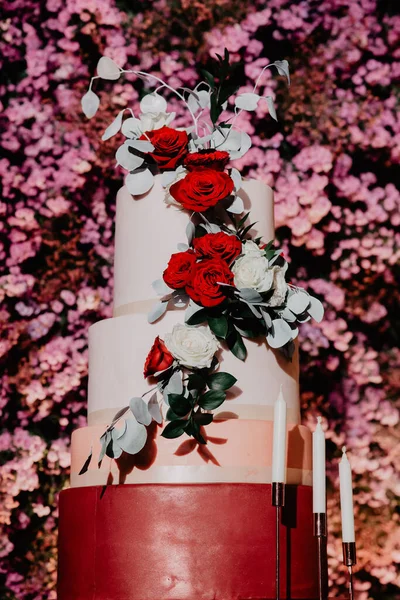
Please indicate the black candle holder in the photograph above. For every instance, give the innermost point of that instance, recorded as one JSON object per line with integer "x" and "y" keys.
{"x": 320, "y": 532}
{"x": 349, "y": 560}
{"x": 278, "y": 500}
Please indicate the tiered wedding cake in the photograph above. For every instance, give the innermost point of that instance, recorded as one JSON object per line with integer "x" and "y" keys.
{"x": 161, "y": 514}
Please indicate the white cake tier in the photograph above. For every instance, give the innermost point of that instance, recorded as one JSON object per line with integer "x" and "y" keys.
{"x": 118, "y": 348}
{"x": 147, "y": 232}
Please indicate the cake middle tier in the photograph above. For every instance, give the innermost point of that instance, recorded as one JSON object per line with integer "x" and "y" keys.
{"x": 118, "y": 348}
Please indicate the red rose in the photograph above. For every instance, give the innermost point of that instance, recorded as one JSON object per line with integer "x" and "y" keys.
{"x": 158, "y": 359}
{"x": 170, "y": 146}
{"x": 178, "y": 272}
{"x": 200, "y": 190}
{"x": 204, "y": 286}
{"x": 221, "y": 245}
{"x": 206, "y": 159}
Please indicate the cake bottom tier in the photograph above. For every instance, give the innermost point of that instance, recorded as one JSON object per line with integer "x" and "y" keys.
{"x": 184, "y": 542}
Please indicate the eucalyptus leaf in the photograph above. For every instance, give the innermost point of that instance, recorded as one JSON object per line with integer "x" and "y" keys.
{"x": 175, "y": 385}
{"x": 118, "y": 415}
{"x": 154, "y": 409}
{"x": 90, "y": 103}
{"x": 114, "y": 127}
{"x": 247, "y": 101}
{"x": 237, "y": 206}
{"x": 267, "y": 318}
{"x": 126, "y": 159}
{"x": 134, "y": 437}
{"x": 168, "y": 177}
{"x": 280, "y": 334}
{"x": 161, "y": 288}
{"x": 108, "y": 69}
{"x": 298, "y": 302}
{"x": 271, "y": 107}
{"x": 250, "y": 295}
{"x": 183, "y": 247}
{"x": 153, "y": 103}
{"x": 139, "y": 182}
{"x": 157, "y": 311}
{"x": 190, "y": 231}
{"x": 236, "y": 178}
{"x": 140, "y": 411}
{"x": 282, "y": 67}
{"x": 287, "y": 315}
{"x": 316, "y": 309}
{"x": 131, "y": 127}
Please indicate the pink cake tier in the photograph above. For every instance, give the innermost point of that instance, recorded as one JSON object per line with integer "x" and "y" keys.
{"x": 238, "y": 450}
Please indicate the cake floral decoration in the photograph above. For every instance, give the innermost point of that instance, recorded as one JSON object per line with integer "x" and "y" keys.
{"x": 230, "y": 285}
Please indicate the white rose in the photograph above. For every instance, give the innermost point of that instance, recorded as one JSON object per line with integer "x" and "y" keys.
{"x": 170, "y": 177}
{"x": 251, "y": 248}
{"x": 192, "y": 346}
{"x": 150, "y": 121}
{"x": 253, "y": 271}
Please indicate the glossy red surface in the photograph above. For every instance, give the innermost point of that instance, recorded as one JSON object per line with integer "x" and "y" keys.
{"x": 184, "y": 542}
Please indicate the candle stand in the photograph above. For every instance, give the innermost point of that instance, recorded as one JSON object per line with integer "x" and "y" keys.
{"x": 278, "y": 500}
{"x": 320, "y": 532}
{"x": 349, "y": 560}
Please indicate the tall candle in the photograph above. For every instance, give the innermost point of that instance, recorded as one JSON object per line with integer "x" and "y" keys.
{"x": 346, "y": 499}
{"x": 318, "y": 466}
{"x": 279, "y": 440}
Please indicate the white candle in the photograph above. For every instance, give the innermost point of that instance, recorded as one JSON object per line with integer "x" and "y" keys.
{"x": 346, "y": 499}
{"x": 318, "y": 469}
{"x": 279, "y": 440}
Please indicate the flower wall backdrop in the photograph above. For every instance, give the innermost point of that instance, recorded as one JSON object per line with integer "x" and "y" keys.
{"x": 331, "y": 159}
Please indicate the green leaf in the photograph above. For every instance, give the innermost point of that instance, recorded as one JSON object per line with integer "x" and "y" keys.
{"x": 198, "y": 317}
{"x": 212, "y": 399}
{"x": 179, "y": 404}
{"x": 203, "y": 418}
{"x": 236, "y": 345}
{"x": 247, "y": 229}
{"x": 215, "y": 110}
{"x": 243, "y": 220}
{"x": 227, "y": 91}
{"x": 174, "y": 429}
{"x": 270, "y": 254}
{"x": 196, "y": 382}
{"x": 221, "y": 381}
{"x": 196, "y": 433}
{"x": 171, "y": 416}
{"x": 219, "y": 326}
{"x": 209, "y": 78}
{"x": 269, "y": 245}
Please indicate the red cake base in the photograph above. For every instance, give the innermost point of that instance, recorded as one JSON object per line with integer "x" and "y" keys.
{"x": 184, "y": 542}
